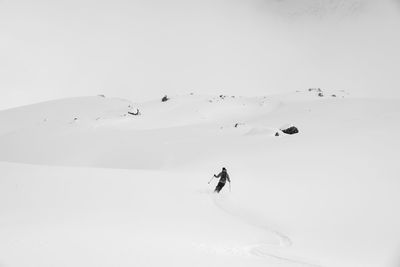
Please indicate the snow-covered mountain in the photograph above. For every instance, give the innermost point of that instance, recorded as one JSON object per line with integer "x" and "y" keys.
{"x": 85, "y": 182}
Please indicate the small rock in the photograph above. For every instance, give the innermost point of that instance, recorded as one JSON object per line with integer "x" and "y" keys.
{"x": 290, "y": 130}
{"x": 165, "y": 98}
{"x": 133, "y": 113}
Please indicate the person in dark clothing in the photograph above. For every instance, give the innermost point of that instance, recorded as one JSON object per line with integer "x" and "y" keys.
{"x": 224, "y": 176}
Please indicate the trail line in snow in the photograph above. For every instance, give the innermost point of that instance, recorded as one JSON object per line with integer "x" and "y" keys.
{"x": 223, "y": 203}
{"x": 260, "y": 250}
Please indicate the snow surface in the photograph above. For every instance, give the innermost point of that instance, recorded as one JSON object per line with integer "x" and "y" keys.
{"x": 85, "y": 183}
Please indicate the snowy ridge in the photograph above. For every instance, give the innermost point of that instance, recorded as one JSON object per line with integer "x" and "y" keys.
{"x": 102, "y": 132}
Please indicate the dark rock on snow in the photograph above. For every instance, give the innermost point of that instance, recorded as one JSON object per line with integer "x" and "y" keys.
{"x": 133, "y": 113}
{"x": 165, "y": 98}
{"x": 290, "y": 130}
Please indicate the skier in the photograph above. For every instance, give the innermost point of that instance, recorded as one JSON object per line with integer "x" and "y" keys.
{"x": 224, "y": 176}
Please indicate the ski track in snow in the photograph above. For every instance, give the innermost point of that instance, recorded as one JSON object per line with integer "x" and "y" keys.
{"x": 223, "y": 203}
{"x": 258, "y": 250}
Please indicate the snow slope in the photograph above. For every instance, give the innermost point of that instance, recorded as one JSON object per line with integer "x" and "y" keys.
{"x": 85, "y": 183}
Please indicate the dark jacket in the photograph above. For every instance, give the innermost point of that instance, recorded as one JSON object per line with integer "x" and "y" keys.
{"x": 224, "y": 176}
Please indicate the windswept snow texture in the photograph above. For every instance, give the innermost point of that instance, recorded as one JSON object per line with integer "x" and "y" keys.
{"x": 85, "y": 183}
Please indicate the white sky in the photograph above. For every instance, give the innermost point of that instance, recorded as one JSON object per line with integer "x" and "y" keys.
{"x": 144, "y": 49}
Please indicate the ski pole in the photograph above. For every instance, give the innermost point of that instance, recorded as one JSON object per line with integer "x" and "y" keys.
{"x": 210, "y": 180}
{"x": 230, "y": 187}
